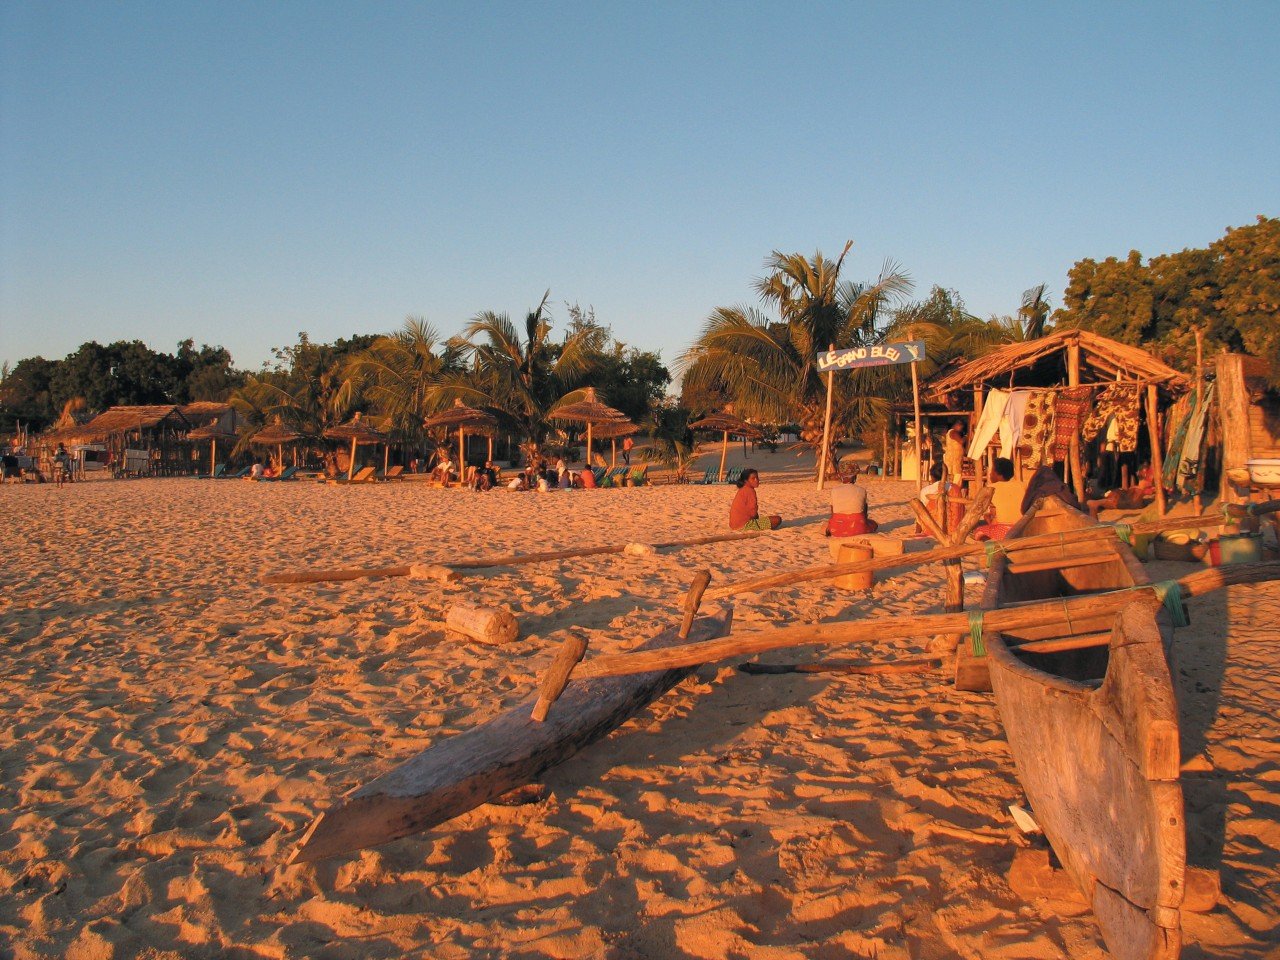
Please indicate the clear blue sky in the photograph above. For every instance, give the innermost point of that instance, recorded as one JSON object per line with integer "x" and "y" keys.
{"x": 238, "y": 172}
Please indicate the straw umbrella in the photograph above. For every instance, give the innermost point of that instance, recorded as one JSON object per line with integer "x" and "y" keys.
{"x": 613, "y": 431}
{"x": 357, "y": 431}
{"x": 590, "y": 411}
{"x": 464, "y": 418}
{"x": 276, "y": 434}
{"x": 727, "y": 423}
{"x": 213, "y": 430}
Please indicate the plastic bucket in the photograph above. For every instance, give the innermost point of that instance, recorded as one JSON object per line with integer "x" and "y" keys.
{"x": 851, "y": 552}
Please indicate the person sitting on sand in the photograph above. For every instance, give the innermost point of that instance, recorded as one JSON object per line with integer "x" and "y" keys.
{"x": 744, "y": 512}
{"x": 1006, "y": 502}
{"x": 444, "y": 470}
{"x": 256, "y": 471}
{"x": 587, "y": 477}
{"x": 849, "y": 508}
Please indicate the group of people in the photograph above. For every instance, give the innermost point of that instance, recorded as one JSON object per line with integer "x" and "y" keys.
{"x": 560, "y": 477}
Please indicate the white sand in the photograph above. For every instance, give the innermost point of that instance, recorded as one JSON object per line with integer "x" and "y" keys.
{"x": 173, "y": 724}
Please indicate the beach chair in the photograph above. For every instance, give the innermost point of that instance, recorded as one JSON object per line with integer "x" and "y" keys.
{"x": 614, "y": 477}
{"x": 238, "y": 475}
{"x": 639, "y": 476}
{"x": 394, "y": 473}
{"x": 710, "y": 476}
{"x": 363, "y": 475}
{"x": 599, "y": 473}
{"x": 285, "y": 474}
{"x": 217, "y": 474}
{"x": 732, "y": 474}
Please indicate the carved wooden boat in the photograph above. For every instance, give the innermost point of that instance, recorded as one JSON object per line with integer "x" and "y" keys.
{"x": 1094, "y": 731}
{"x": 481, "y": 764}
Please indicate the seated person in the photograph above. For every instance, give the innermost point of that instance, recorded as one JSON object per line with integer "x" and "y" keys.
{"x": 744, "y": 512}
{"x": 256, "y": 471}
{"x": 931, "y": 492}
{"x": 587, "y": 477}
{"x": 519, "y": 482}
{"x": 486, "y": 477}
{"x": 1006, "y": 502}
{"x": 849, "y": 508}
{"x": 444, "y": 470}
{"x": 564, "y": 478}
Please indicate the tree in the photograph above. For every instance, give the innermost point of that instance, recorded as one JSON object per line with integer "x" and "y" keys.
{"x": 523, "y": 377}
{"x": 769, "y": 368}
{"x": 1248, "y": 273}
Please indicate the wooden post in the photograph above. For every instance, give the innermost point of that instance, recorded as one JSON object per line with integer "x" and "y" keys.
{"x": 915, "y": 401}
{"x": 351, "y": 467}
{"x": 1073, "y": 445}
{"x": 462, "y": 455}
{"x": 490, "y": 457}
{"x": 1199, "y": 367}
{"x": 980, "y": 462}
{"x": 693, "y": 600}
{"x": 554, "y": 680}
{"x": 213, "y": 457}
{"x": 724, "y": 454}
{"x": 826, "y": 426}
{"x": 884, "y": 469}
{"x": 1157, "y": 458}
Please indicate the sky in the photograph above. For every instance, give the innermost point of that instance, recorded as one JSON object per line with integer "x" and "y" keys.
{"x": 235, "y": 173}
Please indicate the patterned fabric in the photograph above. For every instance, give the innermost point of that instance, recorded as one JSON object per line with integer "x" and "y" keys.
{"x": 1121, "y": 401}
{"x": 1037, "y": 430}
{"x": 1068, "y": 415}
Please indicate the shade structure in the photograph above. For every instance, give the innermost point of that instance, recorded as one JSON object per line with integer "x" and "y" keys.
{"x": 590, "y": 411}
{"x": 214, "y": 431}
{"x": 464, "y": 418}
{"x": 357, "y": 431}
{"x": 613, "y": 430}
{"x": 726, "y": 422}
{"x": 276, "y": 434}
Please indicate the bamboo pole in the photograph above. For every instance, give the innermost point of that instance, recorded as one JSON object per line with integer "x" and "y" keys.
{"x": 939, "y": 555}
{"x": 351, "y": 467}
{"x": 826, "y": 425}
{"x": 915, "y": 402}
{"x": 1157, "y": 456}
{"x": 1059, "y": 610}
{"x": 724, "y": 454}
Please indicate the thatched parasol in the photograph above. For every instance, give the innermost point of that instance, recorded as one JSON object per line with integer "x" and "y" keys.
{"x": 590, "y": 411}
{"x": 612, "y": 431}
{"x": 276, "y": 434}
{"x": 213, "y": 430}
{"x": 727, "y": 423}
{"x": 357, "y": 431}
{"x": 464, "y": 418}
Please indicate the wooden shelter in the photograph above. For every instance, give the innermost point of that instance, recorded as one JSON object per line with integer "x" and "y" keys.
{"x": 1066, "y": 358}
{"x": 588, "y": 410}
{"x": 727, "y": 423}
{"x": 358, "y": 431}
{"x": 160, "y": 431}
{"x": 464, "y": 418}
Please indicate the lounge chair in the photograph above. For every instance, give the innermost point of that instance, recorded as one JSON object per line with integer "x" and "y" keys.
{"x": 639, "y": 476}
{"x": 712, "y": 475}
{"x": 363, "y": 475}
{"x": 217, "y": 474}
{"x": 732, "y": 475}
{"x": 394, "y": 473}
{"x": 599, "y": 474}
{"x": 614, "y": 477}
{"x": 238, "y": 475}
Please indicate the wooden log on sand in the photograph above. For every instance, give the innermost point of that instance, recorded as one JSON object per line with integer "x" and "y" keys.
{"x": 506, "y": 560}
{"x": 487, "y": 624}
{"x": 458, "y": 773}
{"x": 1062, "y": 614}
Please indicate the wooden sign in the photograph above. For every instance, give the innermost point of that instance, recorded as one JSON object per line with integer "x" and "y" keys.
{"x": 881, "y": 355}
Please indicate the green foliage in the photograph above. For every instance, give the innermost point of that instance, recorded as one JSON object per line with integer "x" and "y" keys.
{"x": 1229, "y": 291}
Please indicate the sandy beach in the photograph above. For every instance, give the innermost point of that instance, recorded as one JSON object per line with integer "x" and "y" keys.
{"x": 172, "y": 725}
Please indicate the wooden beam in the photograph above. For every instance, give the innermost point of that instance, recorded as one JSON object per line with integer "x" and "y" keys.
{"x": 1157, "y": 455}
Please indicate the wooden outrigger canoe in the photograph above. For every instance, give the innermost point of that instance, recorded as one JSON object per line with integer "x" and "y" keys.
{"x": 1093, "y": 728}
{"x": 481, "y": 764}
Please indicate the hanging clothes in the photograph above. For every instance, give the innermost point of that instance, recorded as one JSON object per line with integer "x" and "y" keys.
{"x": 1118, "y": 401}
{"x": 1011, "y": 426}
{"x": 1037, "y": 430}
{"x": 988, "y": 424}
{"x": 1181, "y": 414}
{"x": 1189, "y": 462}
{"x": 1069, "y": 414}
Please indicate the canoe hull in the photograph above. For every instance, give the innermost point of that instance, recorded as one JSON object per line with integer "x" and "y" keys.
{"x": 461, "y": 772}
{"x": 1099, "y": 761}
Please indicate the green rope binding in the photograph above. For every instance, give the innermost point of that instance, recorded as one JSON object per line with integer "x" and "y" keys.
{"x": 1169, "y": 593}
{"x": 975, "y": 634}
{"x": 1125, "y": 532}
{"x": 993, "y": 547}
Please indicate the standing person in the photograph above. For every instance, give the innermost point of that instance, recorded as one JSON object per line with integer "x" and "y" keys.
{"x": 61, "y": 466}
{"x": 744, "y": 512}
{"x": 627, "y": 444}
{"x": 849, "y": 508}
{"x": 953, "y": 451}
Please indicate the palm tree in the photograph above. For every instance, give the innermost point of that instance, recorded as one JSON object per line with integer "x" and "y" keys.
{"x": 523, "y": 377}
{"x": 404, "y": 376}
{"x": 770, "y": 368}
